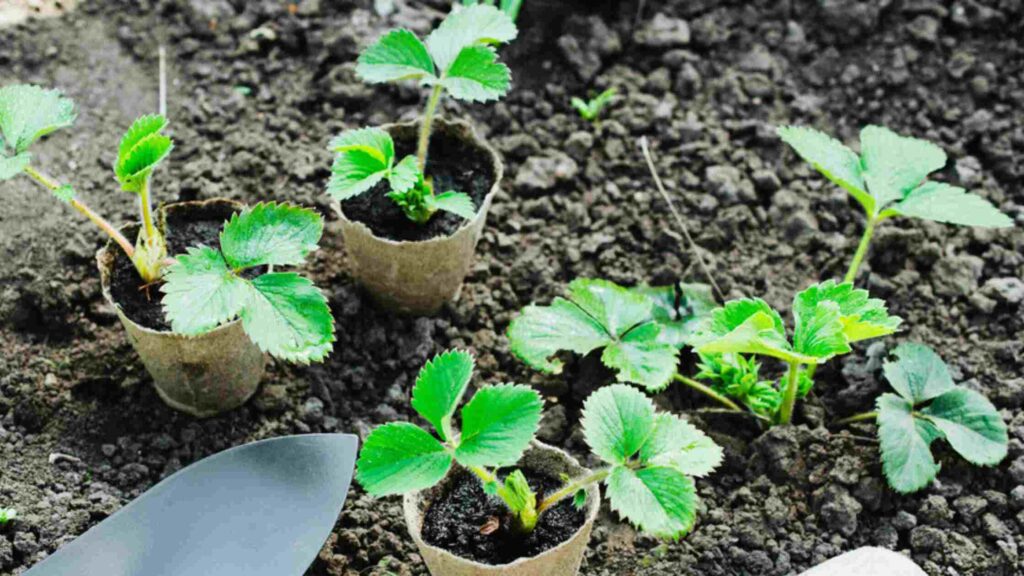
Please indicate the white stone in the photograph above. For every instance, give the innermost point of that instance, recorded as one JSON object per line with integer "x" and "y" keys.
{"x": 867, "y": 561}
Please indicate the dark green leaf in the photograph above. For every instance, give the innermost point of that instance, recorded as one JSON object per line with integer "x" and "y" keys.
{"x": 201, "y": 292}
{"x": 971, "y": 425}
{"x": 905, "y": 444}
{"x": 919, "y": 374}
{"x": 659, "y": 500}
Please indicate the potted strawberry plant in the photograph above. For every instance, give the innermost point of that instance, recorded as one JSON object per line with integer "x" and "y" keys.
{"x": 223, "y": 309}
{"x": 413, "y": 197}
{"x": 491, "y": 500}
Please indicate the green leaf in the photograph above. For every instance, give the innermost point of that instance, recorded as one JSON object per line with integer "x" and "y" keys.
{"x": 201, "y": 292}
{"x": 405, "y": 175}
{"x": 477, "y": 76}
{"x": 29, "y": 112}
{"x": 617, "y": 420}
{"x": 894, "y": 165}
{"x": 11, "y": 167}
{"x": 364, "y": 158}
{"x": 659, "y": 500}
{"x": 617, "y": 309}
{"x": 457, "y": 203}
{"x": 518, "y": 495}
{"x": 640, "y": 357}
{"x": 143, "y": 127}
{"x": 919, "y": 374}
{"x": 818, "y": 330}
{"x": 905, "y": 444}
{"x": 579, "y": 499}
{"x": 288, "y": 317}
{"x": 473, "y": 26}
{"x": 944, "y": 203}
{"x": 679, "y": 309}
{"x": 971, "y": 425}
{"x": 541, "y": 331}
{"x": 142, "y": 148}
{"x": 398, "y": 55}
{"x": 862, "y": 317}
{"x": 677, "y": 443}
{"x": 830, "y": 157}
{"x": 747, "y": 326}
{"x": 401, "y": 457}
{"x": 439, "y": 388}
{"x": 583, "y": 108}
{"x": 498, "y": 424}
{"x": 7, "y": 515}
{"x": 270, "y": 234}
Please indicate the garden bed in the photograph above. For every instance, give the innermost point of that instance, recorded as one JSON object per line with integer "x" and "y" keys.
{"x": 255, "y": 96}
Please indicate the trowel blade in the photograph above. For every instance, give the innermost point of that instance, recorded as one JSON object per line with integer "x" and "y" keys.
{"x": 262, "y": 509}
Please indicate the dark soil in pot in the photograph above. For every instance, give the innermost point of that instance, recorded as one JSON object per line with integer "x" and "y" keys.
{"x": 454, "y": 164}
{"x": 455, "y": 522}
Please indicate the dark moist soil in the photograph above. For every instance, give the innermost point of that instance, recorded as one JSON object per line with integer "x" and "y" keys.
{"x": 454, "y": 164}
{"x": 82, "y": 432}
{"x": 454, "y": 521}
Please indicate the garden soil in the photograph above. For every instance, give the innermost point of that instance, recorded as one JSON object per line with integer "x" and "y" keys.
{"x": 256, "y": 91}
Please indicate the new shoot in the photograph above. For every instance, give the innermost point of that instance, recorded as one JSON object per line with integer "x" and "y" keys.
{"x": 590, "y": 110}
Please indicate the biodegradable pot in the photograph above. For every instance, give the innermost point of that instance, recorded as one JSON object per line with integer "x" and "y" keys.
{"x": 562, "y": 560}
{"x": 418, "y": 277}
{"x": 202, "y": 375}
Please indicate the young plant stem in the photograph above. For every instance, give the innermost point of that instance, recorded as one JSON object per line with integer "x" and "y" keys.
{"x": 789, "y": 395}
{"x": 857, "y": 418}
{"x": 524, "y": 521}
{"x": 425, "y": 128}
{"x": 707, "y": 391}
{"x": 862, "y": 250}
{"x": 95, "y": 218}
{"x": 572, "y": 488}
{"x": 147, "y": 212}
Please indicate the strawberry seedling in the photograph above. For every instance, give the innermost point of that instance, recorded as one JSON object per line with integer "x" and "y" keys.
{"x": 7, "y": 515}
{"x": 889, "y": 178}
{"x": 590, "y": 110}
{"x": 650, "y": 457}
{"x": 457, "y": 58}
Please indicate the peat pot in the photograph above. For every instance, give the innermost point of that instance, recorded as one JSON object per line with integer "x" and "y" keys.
{"x": 202, "y": 375}
{"x": 419, "y": 276}
{"x": 562, "y": 560}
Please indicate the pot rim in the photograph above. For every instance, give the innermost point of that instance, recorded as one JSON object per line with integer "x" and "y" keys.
{"x": 499, "y": 173}
{"x": 409, "y": 505}
{"x": 105, "y": 262}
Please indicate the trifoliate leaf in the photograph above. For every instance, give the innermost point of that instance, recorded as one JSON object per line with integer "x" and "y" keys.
{"x": 659, "y": 500}
{"x": 270, "y": 234}
{"x": 830, "y": 157}
{"x": 944, "y": 203}
{"x": 639, "y": 356}
{"x": 894, "y": 165}
{"x": 201, "y": 292}
{"x": 540, "y": 331}
{"x": 498, "y": 424}
{"x": 29, "y": 112}
{"x": 679, "y": 309}
{"x": 364, "y": 158}
{"x": 677, "y": 443}
{"x": 439, "y": 388}
{"x": 862, "y": 317}
{"x": 477, "y": 76}
{"x": 617, "y": 309}
{"x": 747, "y": 326}
{"x": 65, "y": 193}
{"x": 142, "y": 148}
{"x": 918, "y": 374}
{"x": 398, "y": 55}
{"x": 404, "y": 175}
{"x": 288, "y": 317}
{"x": 971, "y": 425}
{"x": 617, "y": 420}
{"x": 11, "y": 167}
{"x": 457, "y": 203}
{"x": 905, "y": 445}
{"x": 518, "y": 495}
{"x": 401, "y": 457}
{"x": 475, "y": 25}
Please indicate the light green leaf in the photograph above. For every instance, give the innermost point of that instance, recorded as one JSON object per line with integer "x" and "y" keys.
{"x": 288, "y": 317}
{"x": 818, "y": 330}
{"x": 29, "y": 112}
{"x": 971, "y": 425}
{"x": 7, "y": 515}
{"x": 363, "y": 158}
{"x": 918, "y": 374}
{"x": 894, "y": 165}
{"x": 398, "y": 55}
{"x": 747, "y": 326}
{"x": 201, "y": 292}
{"x": 862, "y": 317}
{"x": 640, "y": 357}
{"x": 830, "y": 157}
{"x": 439, "y": 388}
{"x": 475, "y": 25}
{"x": 617, "y": 420}
{"x": 11, "y": 167}
{"x": 541, "y": 331}
{"x": 517, "y": 493}
{"x": 659, "y": 500}
{"x": 477, "y": 76}
{"x": 142, "y": 148}
{"x": 677, "y": 443}
{"x": 457, "y": 203}
{"x": 944, "y": 203}
{"x": 905, "y": 444}
{"x": 143, "y": 127}
{"x": 405, "y": 175}
{"x": 401, "y": 457}
{"x": 270, "y": 234}
{"x": 498, "y": 424}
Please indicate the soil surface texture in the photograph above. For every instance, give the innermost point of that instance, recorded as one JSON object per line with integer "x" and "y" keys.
{"x": 258, "y": 88}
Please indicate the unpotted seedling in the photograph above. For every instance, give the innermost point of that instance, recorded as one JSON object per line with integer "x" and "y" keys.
{"x": 889, "y": 178}
{"x": 929, "y": 406}
{"x": 490, "y": 499}
{"x": 590, "y": 110}
{"x": 202, "y": 359}
{"x": 7, "y": 515}
{"x": 411, "y": 226}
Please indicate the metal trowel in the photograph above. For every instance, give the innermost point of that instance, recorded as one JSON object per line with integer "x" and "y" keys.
{"x": 262, "y": 509}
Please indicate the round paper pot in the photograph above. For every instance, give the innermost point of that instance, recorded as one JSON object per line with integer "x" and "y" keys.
{"x": 202, "y": 375}
{"x": 419, "y": 277}
{"x": 562, "y": 560}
